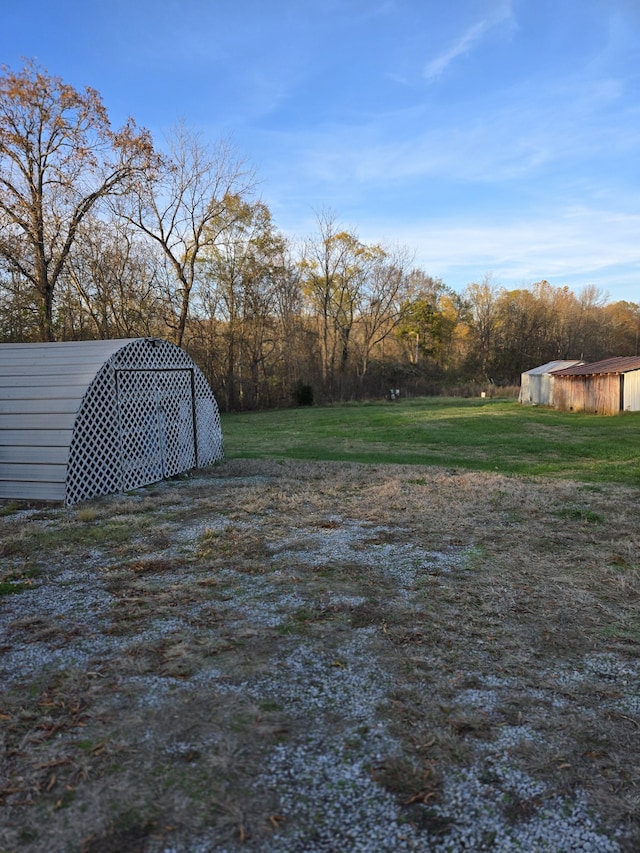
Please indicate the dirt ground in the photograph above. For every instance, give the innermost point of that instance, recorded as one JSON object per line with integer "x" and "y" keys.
{"x": 282, "y": 656}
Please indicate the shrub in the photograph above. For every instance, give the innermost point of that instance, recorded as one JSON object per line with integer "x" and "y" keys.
{"x": 302, "y": 394}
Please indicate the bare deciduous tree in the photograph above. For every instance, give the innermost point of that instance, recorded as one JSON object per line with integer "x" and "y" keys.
{"x": 112, "y": 278}
{"x": 58, "y": 158}
{"x": 384, "y": 289}
{"x": 183, "y": 207}
{"x": 482, "y": 299}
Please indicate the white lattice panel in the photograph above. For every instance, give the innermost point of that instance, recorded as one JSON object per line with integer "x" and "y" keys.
{"x": 175, "y": 404}
{"x": 93, "y": 467}
{"x": 136, "y": 423}
{"x": 140, "y": 450}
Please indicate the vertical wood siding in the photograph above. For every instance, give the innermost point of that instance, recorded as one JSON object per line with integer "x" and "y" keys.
{"x": 598, "y": 394}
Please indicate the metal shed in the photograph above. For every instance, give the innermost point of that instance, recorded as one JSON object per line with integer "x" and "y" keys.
{"x": 88, "y": 418}
{"x": 602, "y": 387}
{"x": 536, "y": 385}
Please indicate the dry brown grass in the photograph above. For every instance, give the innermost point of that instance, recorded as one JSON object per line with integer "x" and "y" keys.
{"x": 427, "y": 621}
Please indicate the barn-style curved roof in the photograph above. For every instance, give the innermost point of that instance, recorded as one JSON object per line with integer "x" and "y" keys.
{"x": 63, "y": 412}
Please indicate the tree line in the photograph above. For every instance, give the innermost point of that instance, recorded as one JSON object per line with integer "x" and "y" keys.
{"x": 104, "y": 235}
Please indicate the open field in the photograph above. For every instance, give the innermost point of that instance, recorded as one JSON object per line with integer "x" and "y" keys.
{"x": 480, "y": 434}
{"x": 319, "y": 656}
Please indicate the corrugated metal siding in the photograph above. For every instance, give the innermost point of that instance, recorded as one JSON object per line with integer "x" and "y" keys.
{"x": 545, "y": 388}
{"x": 523, "y": 396}
{"x": 540, "y": 388}
{"x": 550, "y": 366}
{"x": 536, "y": 390}
{"x": 618, "y": 364}
{"x": 632, "y": 391}
{"x": 41, "y": 390}
{"x": 536, "y": 385}
{"x": 61, "y": 413}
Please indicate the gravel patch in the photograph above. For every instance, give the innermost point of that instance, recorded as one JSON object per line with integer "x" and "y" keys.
{"x": 235, "y": 676}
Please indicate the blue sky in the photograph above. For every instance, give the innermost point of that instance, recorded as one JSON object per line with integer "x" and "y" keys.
{"x": 493, "y": 137}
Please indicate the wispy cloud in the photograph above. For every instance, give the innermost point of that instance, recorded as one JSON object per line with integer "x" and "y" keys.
{"x": 576, "y": 246}
{"x": 463, "y": 45}
{"x": 467, "y": 41}
{"x": 573, "y": 132}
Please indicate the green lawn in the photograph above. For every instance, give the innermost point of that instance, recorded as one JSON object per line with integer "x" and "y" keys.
{"x": 485, "y": 434}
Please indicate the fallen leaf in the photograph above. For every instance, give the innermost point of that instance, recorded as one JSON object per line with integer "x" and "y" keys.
{"x": 421, "y": 797}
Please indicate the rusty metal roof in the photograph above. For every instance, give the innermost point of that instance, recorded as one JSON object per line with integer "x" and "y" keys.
{"x": 620, "y": 364}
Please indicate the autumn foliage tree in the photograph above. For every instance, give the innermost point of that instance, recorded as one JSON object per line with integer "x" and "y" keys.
{"x": 103, "y": 236}
{"x": 245, "y": 271}
{"x": 431, "y": 322}
{"x": 59, "y": 157}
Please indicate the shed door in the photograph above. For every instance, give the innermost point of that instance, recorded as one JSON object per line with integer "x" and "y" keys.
{"x": 157, "y": 436}
{"x": 175, "y": 419}
{"x": 632, "y": 391}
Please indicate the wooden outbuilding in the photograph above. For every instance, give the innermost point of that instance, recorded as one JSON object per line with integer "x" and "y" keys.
{"x": 602, "y": 387}
{"x": 536, "y": 385}
{"x": 89, "y": 418}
